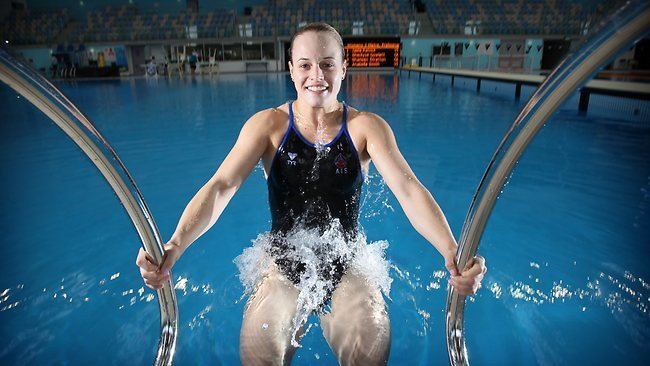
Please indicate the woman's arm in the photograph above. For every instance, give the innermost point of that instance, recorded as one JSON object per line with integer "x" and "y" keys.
{"x": 418, "y": 204}
{"x": 206, "y": 206}
{"x": 209, "y": 202}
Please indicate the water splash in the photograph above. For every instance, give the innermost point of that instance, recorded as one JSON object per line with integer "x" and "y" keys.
{"x": 321, "y": 149}
{"x": 375, "y": 200}
{"x": 200, "y": 318}
{"x": 317, "y": 250}
{"x": 321, "y": 140}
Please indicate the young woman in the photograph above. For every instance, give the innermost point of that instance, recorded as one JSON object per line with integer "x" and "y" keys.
{"x": 314, "y": 151}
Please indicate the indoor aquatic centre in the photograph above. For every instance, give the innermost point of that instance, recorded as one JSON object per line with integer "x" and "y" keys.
{"x": 325, "y": 182}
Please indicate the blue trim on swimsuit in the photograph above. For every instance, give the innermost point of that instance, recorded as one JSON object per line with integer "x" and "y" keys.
{"x": 338, "y": 135}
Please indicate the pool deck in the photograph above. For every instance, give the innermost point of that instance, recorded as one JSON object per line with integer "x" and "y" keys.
{"x": 634, "y": 90}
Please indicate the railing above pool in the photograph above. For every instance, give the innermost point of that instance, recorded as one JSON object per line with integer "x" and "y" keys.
{"x": 625, "y": 89}
{"x": 627, "y": 25}
{"x": 46, "y": 97}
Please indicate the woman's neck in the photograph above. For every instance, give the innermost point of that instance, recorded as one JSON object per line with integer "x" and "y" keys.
{"x": 315, "y": 116}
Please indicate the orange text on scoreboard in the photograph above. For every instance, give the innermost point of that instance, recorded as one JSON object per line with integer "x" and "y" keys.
{"x": 372, "y": 54}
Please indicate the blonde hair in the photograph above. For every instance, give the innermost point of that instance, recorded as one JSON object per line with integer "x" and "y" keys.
{"x": 318, "y": 28}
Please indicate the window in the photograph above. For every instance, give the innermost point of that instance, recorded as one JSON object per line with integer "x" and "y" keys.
{"x": 232, "y": 52}
{"x": 472, "y": 27}
{"x": 246, "y": 30}
{"x": 252, "y": 51}
{"x": 458, "y": 49}
{"x": 357, "y": 28}
{"x": 268, "y": 51}
{"x": 443, "y": 49}
{"x": 414, "y": 27}
{"x": 191, "y": 32}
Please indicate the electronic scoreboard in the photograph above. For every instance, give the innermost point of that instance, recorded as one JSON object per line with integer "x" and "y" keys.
{"x": 372, "y": 52}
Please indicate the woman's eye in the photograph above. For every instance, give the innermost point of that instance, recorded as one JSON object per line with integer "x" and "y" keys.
{"x": 327, "y": 66}
{"x": 304, "y": 66}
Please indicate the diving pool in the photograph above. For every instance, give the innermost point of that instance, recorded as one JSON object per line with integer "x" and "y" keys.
{"x": 567, "y": 245}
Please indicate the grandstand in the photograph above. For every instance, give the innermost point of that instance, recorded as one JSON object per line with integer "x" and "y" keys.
{"x": 510, "y": 17}
{"x": 260, "y": 29}
{"x": 278, "y": 18}
{"x": 36, "y": 27}
{"x": 129, "y": 23}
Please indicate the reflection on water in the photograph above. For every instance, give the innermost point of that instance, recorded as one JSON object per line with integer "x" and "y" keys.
{"x": 371, "y": 88}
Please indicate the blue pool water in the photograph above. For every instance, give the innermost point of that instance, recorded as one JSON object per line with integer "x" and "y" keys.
{"x": 567, "y": 245}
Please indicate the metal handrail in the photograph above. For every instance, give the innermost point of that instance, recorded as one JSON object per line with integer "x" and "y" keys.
{"x": 46, "y": 97}
{"x": 626, "y": 25}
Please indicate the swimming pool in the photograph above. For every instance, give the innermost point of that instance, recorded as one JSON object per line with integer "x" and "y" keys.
{"x": 566, "y": 244}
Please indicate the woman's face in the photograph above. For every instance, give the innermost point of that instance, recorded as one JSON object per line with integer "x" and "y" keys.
{"x": 317, "y": 68}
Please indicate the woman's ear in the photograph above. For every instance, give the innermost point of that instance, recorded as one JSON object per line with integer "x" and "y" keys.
{"x": 345, "y": 68}
{"x": 290, "y": 69}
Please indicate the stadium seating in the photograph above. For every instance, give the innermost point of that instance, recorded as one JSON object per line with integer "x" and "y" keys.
{"x": 128, "y": 23}
{"x": 503, "y": 17}
{"x": 283, "y": 17}
{"x": 33, "y": 28}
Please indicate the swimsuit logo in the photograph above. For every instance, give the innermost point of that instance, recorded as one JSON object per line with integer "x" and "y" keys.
{"x": 292, "y": 156}
{"x": 340, "y": 164}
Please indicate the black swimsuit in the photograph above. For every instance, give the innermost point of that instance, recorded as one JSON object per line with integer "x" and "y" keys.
{"x": 311, "y": 192}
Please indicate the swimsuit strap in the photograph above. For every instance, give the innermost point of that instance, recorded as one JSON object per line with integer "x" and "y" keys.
{"x": 290, "y": 114}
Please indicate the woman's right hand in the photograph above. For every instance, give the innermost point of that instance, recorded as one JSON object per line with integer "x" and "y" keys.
{"x": 155, "y": 276}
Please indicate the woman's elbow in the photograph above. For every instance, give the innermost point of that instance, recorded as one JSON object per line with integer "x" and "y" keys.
{"x": 408, "y": 190}
{"x": 220, "y": 187}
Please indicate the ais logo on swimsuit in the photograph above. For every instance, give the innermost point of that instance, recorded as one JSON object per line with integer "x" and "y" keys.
{"x": 341, "y": 166}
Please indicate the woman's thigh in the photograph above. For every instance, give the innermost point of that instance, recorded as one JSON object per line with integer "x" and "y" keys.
{"x": 357, "y": 328}
{"x": 266, "y": 331}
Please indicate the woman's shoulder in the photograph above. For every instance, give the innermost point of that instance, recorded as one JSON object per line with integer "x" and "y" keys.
{"x": 270, "y": 119}
{"x": 363, "y": 119}
{"x": 273, "y": 113}
{"x": 364, "y": 126}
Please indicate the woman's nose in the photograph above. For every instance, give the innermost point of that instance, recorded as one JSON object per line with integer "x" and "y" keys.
{"x": 317, "y": 72}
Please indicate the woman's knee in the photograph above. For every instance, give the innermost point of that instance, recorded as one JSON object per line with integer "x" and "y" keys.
{"x": 364, "y": 340}
{"x": 358, "y": 326}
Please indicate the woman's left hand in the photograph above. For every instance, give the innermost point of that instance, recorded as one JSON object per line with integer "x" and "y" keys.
{"x": 469, "y": 281}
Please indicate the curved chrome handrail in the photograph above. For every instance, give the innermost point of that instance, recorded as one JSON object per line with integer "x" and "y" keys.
{"x": 46, "y": 97}
{"x": 626, "y": 25}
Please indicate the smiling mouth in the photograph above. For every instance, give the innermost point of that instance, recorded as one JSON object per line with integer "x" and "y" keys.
{"x": 316, "y": 88}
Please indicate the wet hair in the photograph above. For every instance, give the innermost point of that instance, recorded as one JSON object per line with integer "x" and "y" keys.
{"x": 318, "y": 28}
